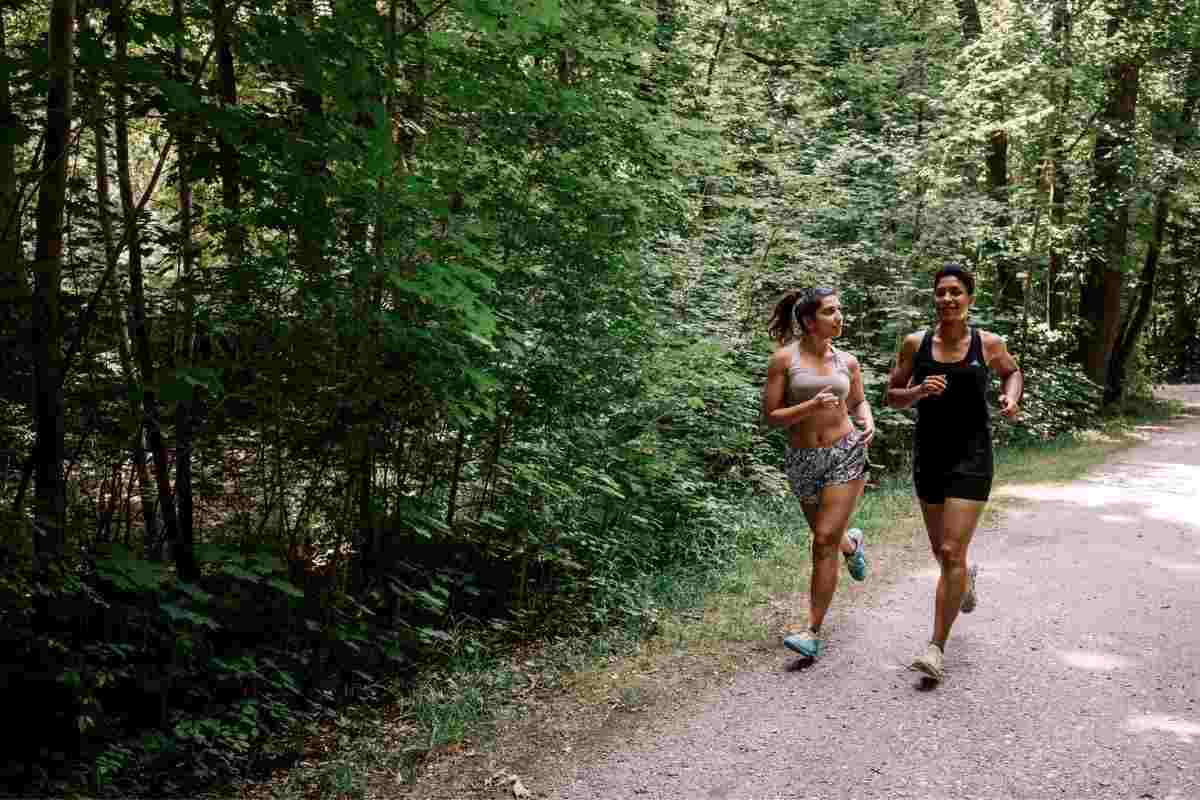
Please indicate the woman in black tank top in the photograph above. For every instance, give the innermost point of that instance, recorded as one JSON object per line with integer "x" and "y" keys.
{"x": 959, "y": 464}
{"x": 946, "y": 373}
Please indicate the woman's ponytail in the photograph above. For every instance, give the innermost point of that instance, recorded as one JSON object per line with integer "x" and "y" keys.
{"x": 780, "y": 327}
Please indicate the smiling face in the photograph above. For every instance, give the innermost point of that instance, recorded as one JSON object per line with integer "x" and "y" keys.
{"x": 826, "y": 321}
{"x": 951, "y": 299}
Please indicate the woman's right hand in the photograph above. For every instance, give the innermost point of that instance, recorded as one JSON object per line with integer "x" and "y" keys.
{"x": 933, "y": 385}
{"x": 826, "y": 399}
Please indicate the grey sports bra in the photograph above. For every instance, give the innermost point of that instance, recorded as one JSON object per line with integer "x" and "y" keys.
{"x": 804, "y": 383}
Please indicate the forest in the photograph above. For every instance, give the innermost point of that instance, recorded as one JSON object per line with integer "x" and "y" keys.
{"x": 333, "y": 331}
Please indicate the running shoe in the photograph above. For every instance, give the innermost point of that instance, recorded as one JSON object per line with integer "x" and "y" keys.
{"x": 806, "y": 643}
{"x": 931, "y": 663}
{"x": 969, "y": 598}
{"x": 856, "y": 562}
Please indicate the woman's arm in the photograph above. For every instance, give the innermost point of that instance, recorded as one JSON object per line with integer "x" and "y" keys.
{"x": 899, "y": 393}
{"x": 856, "y": 402}
{"x": 1012, "y": 381}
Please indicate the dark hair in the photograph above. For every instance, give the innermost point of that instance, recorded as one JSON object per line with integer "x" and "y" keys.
{"x": 955, "y": 271}
{"x": 793, "y": 307}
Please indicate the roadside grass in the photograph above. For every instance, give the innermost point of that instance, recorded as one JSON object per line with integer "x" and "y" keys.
{"x": 451, "y": 710}
{"x": 1069, "y": 456}
{"x": 458, "y": 708}
{"x": 747, "y": 601}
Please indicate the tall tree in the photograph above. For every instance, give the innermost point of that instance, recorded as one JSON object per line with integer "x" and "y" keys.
{"x": 1183, "y": 334}
{"x": 1183, "y": 138}
{"x": 1109, "y": 200}
{"x": 1060, "y": 183}
{"x": 184, "y": 550}
{"x": 139, "y": 330}
{"x": 310, "y": 201}
{"x": 968, "y": 19}
{"x": 231, "y": 187}
{"x": 47, "y": 334}
{"x": 996, "y": 161}
{"x": 14, "y": 284}
{"x": 112, "y": 256}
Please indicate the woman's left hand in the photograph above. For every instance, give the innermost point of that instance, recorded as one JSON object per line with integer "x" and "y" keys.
{"x": 1008, "y": 407}
{"x": 868, "y": 433}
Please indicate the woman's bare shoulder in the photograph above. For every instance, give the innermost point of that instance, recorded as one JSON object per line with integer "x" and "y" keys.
{"x": 783, "y": 356}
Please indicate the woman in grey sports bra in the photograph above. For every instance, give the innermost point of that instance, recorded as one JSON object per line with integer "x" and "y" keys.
{"x": 813, "y": 389}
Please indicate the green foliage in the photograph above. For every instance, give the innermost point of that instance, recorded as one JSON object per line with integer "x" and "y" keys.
{"x": 473, "y": 348}
{"x": 1059, "y": 398}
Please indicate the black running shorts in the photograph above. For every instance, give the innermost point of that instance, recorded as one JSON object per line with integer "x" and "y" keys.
{"x": 957, "y": 467}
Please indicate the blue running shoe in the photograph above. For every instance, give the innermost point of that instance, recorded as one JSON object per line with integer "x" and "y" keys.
{"x": 856, "y": 562}
{"x": 806, "y": 643}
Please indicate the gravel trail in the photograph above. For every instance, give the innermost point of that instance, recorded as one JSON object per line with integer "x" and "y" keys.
{"x": 1078, "y": 676}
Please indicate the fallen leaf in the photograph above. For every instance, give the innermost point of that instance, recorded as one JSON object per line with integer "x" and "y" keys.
{"x": 519, "y": 790}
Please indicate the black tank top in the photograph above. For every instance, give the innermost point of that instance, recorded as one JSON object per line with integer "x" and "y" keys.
{"x": 960, "y": 414}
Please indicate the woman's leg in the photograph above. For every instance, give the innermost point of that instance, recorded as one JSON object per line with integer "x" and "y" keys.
{"x": 828, "y": 520}
{"x": 950, "y": 527}
{"x": 933, "y": 513}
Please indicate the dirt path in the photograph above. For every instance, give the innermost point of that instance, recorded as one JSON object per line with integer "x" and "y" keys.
{"x": 1077, "y": 677}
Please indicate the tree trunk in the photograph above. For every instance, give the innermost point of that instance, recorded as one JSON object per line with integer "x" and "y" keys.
{"x": 49, "y": 490}
{"x": 1108, "y": 223}
{"x": 184, "y": 545}
{"x": 968, "y": 18}
{"x": 231, "y": 187}
{"x": 667, "y": 17}
{"x": 726, "y": 19}
{"x": 416, "y": 74}
{"x": 920, "y": 83}
{"x": 139, "y": 333}
{"x": 452, "y": 501}
{"x": 14, "y": 284}
{"x": 1129, "y": 332}
{"x": 665, "y": 30}
{"x": 309, "y": 236}
{"x": 1185, "y": 323}
{"x": 1009, "y": 293}
{"x": 1132, "y": 329}
{"x": 103, "y": 214}
{"x": 1060, "y": 186}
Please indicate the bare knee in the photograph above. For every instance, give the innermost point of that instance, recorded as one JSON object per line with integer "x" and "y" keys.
{"x": 952, "y": 555}
{"x": 826, "y": 543}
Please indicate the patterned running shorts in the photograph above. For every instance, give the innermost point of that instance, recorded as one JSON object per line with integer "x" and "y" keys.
{"x": 811, "y": 469}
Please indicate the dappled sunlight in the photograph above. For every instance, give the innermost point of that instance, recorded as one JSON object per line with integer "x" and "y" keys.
{"x": 1183, "y": 730}
{"x": 1088, "y": 495}
{"x": 1166, "y": 490}
{"x": 1174, "y": 441}
{"x": 1157, "y": 476}
{"x": 1192, "y": 567}
{"x": 1093, "y": 660}
{"x": 1094, "y": 436}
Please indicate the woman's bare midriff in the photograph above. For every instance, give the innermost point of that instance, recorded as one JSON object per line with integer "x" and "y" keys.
{"x": 821, "y": 429}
